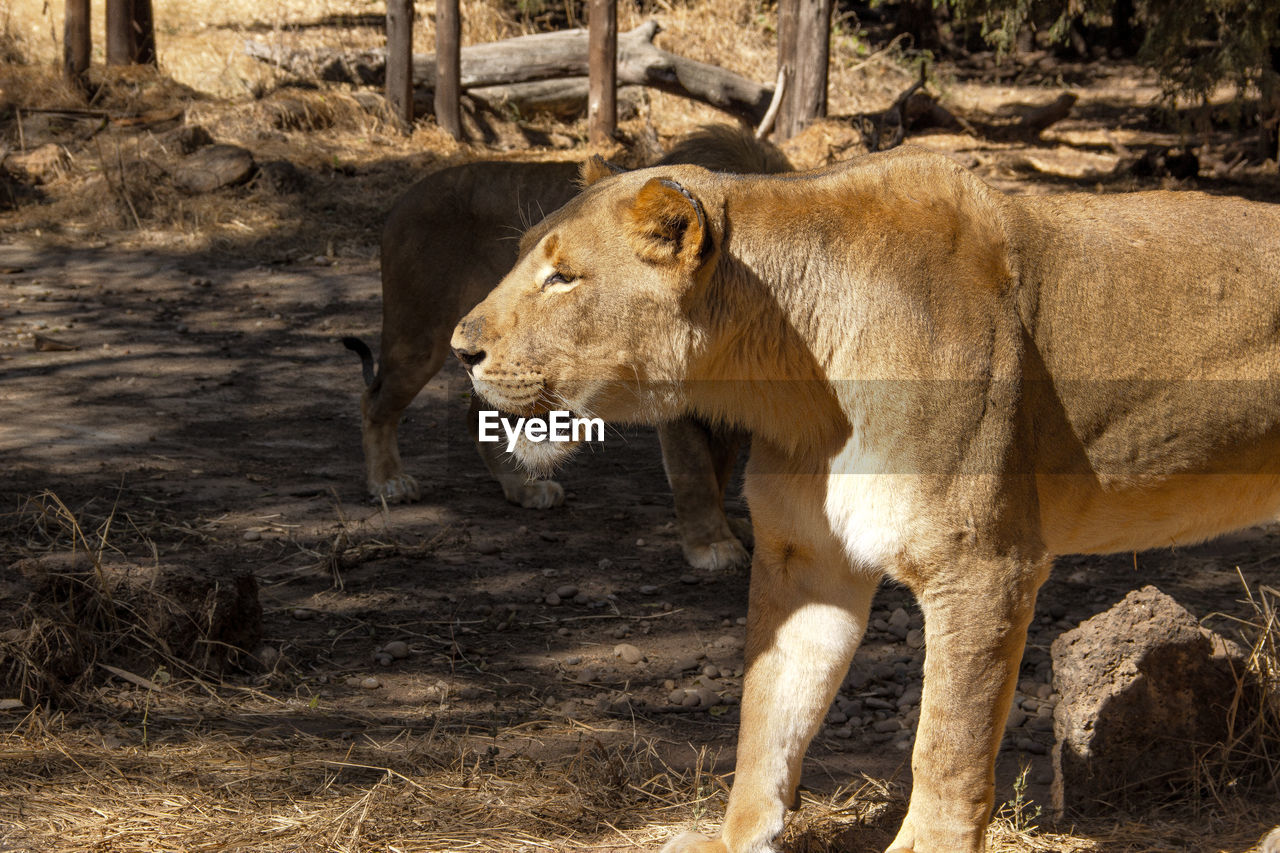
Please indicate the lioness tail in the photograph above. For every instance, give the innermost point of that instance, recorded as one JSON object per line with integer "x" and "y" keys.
{"x": 361, "y": 349}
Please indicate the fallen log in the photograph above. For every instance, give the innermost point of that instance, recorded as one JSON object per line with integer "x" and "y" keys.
{"x": 541, "y": 57}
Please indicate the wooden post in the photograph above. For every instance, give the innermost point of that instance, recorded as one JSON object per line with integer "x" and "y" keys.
{"x": 449, "y": 67}
{"x": 120, "y": 35}
{"x": 804, "y": 37}
{"x": 602, "y": 65}
{"x": 400, "y": 61}
{"x": 144, "y": 33}
{"x": 131, "y": 34}
{"x": 75, "y": 41}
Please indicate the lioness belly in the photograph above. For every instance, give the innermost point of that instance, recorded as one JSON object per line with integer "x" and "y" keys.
{"x": 1080, "y": 516}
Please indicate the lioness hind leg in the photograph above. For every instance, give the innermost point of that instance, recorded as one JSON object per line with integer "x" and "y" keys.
{"x": 808, "y": 610}
{"x": 517, "y": 487}
{"x": 974, "y": 635}
{"x": 698, "y": 462}
{"x": 400, "y": 377}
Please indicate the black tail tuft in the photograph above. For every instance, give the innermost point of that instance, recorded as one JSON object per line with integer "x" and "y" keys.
{"x": 361, "y": 349}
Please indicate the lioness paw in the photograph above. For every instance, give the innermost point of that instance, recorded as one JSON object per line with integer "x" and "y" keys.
{"x": 692, "y": 842}
{"x": 539, "y": 494}
{"x": 717, "y": 556}
{"x": 399, "y": 489}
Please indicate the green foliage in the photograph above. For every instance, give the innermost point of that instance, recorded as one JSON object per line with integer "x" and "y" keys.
{"x": 1193, "y": 45}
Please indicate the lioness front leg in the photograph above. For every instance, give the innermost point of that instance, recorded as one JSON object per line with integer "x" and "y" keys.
{"x": 698, "y": 462}
{"x": 516, "y": 484}
{"x": 976, "y": 615}
{"x": 808, "y": 610}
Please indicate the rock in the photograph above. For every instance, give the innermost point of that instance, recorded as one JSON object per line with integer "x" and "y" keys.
{"x": 648, "y": 589}
{"x": 213, "y": 168}
{"x": 553, "y": 600}
{"x": 1142, "y": 693}
{"x": 628, "y": 653}
{"x": 252, "y": 535}
{"x": 1017, "y": 717}
{"x": 910, "y": 697}
{"x": 915, "y": 638}
{"x": 711, "y": 671}
{"x": 898, "y": 623}
{"x": 566, "y": 591}
{"x": 676, "y": 697}
{"x": 707, "y": 698}
{"x": 891, "y": 724}
{"x": 39, "y": 165}
{"x": 690, "y": 579}
{"x": 686, "y": 664}
{"x": 370, "y": 683}
{"x": 188, "y": 139}
{"x": 302, "y": 614}
{"x": 398, "y": 649}
{"x": 1035, "y": 747}
{"x": 573, "y": 660}
{"x": 270, "y": 171}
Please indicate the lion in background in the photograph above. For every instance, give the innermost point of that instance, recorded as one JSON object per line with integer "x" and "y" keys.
{"x": 447, "y": 242}
{"x": 944, "y": 385}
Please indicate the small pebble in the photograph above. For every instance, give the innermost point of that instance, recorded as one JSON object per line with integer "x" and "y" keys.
{"x": 915, "y": 639}
{"x": 648, "y": 589}
{"x": 711, "y": 670}
{"x": 398, "y": 649}
{"x": 640, "y": 543}
{"x": 488, "y": 548}
{"x": 690, "y": 699}
{"x": 891, "y": 724}
{"x": 267, "y": 656}
{"x": 628, "y": 653}
{"x": 552, "y": 599}
{"x": 1017, "y": 717}
{"x": 566, "y": 591}
{"x": 573, "y": 660}
{"x": 843, "y": 732}
{"x": 302, "y": 614}
{"x": 605, "y": 564}
{"x": 252, "y": 535}
{"x": 370, "y": 683}
{"x": 689, "y": 579}
{"x": 382, "y": 659}
{"x": 676, "y": 697}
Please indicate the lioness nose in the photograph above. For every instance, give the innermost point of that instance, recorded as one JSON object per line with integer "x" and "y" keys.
{"x": 469, "y": 357}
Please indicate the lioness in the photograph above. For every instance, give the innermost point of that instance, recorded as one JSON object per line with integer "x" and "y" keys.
{"x": 447, "y": 242}
{"x": 945, "y": 385}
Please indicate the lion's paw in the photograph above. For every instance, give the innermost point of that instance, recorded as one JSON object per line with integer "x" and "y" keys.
{"x": 398, "y": 490}
{"x": 539, "y": 494}
{"x": 717, "y": 556}
{"x": 692, "y": 842}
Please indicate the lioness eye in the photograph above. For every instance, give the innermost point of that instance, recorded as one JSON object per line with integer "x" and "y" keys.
{"x": 555, "y": 278}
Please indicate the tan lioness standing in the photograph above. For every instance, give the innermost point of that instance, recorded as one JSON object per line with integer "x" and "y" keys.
{"x": 946, "y": 385}
{"x": 446, "y": 244}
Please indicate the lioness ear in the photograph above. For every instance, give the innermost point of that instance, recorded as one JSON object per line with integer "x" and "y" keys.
{"x": 595, "y": 168}
{"x": 668, "y": 224}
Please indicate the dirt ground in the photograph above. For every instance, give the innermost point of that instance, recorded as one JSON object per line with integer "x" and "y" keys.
{"x": 454, "y": 674}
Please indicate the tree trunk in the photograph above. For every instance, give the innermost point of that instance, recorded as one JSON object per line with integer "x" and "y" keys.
{"x": 804, "y": 34}
{"x": 119, "y": 28}
{"x": 400, "y": 61}
{"x": 602, "y": 101}
{"x": 75, "y": 41}
{"x": 144, "y": 37}
{"x": 449, "y": 67}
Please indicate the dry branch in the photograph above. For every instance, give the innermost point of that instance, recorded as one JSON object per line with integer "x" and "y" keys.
{"x": 542, "y": 57}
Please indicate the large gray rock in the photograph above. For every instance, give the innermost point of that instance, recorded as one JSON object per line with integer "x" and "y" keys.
{"x": 1145, "y": 692}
